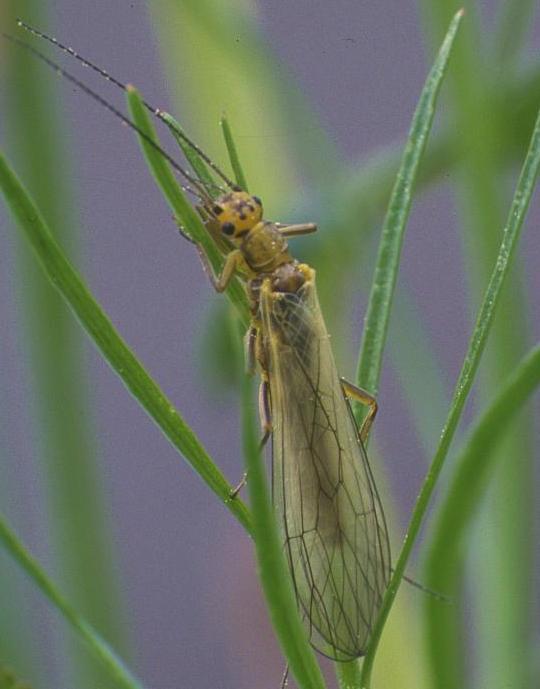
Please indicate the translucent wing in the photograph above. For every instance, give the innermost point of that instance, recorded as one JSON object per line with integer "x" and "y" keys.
{"x": 333, "y": 527}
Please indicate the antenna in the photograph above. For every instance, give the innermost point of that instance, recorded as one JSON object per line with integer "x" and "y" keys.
{"x": 199, "y": 190}
{"x": 156, "y": 112}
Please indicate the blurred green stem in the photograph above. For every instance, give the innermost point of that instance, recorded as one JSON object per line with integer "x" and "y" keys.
{"x": 514, "y": 22}
{"x": 477, "y": 343}
{"x": 503, "y": 584}
{"x": 474, "y": 468}
{"x": 115, "y": 351}
{"x": 79, "y": 527}
{"x": 274, "y": 576}
{"x": 114, "y": 667}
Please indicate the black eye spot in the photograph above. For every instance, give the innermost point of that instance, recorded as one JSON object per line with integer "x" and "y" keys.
{"x": 217, "y": 209}
{"x": 227, "y": 228}
{"x": 257, "y": 200}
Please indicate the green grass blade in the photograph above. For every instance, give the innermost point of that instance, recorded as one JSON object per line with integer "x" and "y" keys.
{"x": 501, "y": 565}
{"x": 361, "y": 194}
{"x": 88, "y": 634}
{"x": 475, "y": 349}
{"x": 163, "y": 176}
{"x": 410, "y": 346}
{"x": 386, "y": 268}
{"x": 233, "y": 153}
{"x": 66, "y": 461}
{"x": 197, "y": 163}
{"x": 9, "y": 680}
{"x": 180, "y": 205}
{"x": 274, "y": 576}
{"x": 114, "y": 349}
{"x": 514, "y": 21}
{"x": 446, "y": 553}
{"x": 246, "y": 81}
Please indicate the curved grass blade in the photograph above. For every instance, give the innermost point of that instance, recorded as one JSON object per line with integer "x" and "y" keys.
{"x": 88, "y": 634}
{"x": 387, "y": 264}
{"x": 180, "y": 205}
{"x": 77, "y": 520}
{"x": 445, "y": 562}
{"x": 197, "y": 163}
{"x": 273, "y": 573}
{"x": 501, "y": 566}
{"x": 233, "y": 153}
{"x": 218, "y": 75}
{"x": 474, "y": 352}
{"x": 109, "y": 342}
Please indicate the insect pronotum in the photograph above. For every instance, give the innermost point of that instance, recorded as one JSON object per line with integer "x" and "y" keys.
{"x": 327, "y": 506}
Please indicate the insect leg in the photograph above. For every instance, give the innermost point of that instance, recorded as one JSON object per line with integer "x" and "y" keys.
{"x": 363, "y": 397}
{"x": 232, "y": 262}
{"x": 266, "y": 424}
{"x": 265, "y": 412}
{"x": 234, "y": 492}
{"x": 297, "y": 230}
{"x": 183, "y": 231}
{"x": 250, "y": 343}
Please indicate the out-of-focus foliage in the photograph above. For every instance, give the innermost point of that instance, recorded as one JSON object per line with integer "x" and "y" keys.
{"x": 491, "y": 104}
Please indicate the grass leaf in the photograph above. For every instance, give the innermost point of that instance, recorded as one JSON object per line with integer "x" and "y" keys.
{"x": 180, "y": 205}
{"x": 474, "y": 352}
{"x": 233, "y": 153}
{"x": 88, "y": 634}
{"x": 273, "y": 573}
{"x": 387, "y": 264}
{"x": 109, "y": 342}
{"x": 446, "y": 554}
{"x": 516, "y": 17}
{"x": 495, "y": 582}
{"x": 194, "y": 159}
{"x": 75, "y": 518}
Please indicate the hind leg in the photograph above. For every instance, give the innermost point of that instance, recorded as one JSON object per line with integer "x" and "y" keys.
{"x": 358, "y": 395}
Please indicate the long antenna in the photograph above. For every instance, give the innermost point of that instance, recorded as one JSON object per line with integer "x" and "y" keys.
{"x": 157, "y": 112}
{"x": 201, "y": 193}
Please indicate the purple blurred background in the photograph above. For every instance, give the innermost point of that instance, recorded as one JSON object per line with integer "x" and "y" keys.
{"x": 186, "y": 566}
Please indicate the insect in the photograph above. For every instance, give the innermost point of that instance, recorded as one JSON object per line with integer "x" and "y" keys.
{"x": 328, "y": 510}
{"x": 329, "y": 513}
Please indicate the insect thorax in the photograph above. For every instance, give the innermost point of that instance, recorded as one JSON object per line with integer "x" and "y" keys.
{"x": 264, "y": 248}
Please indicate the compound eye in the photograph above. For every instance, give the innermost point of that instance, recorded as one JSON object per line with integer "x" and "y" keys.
{"x": 227, "y": 228}
{"x": 217, "y": 209}
{"x": 257, "y": 200}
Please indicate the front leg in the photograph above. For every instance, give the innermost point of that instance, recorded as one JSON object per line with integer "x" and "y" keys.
{"x": 297, "y": 230}
{"x": 185, "y": 234}
{"x": 233, "y": 261}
